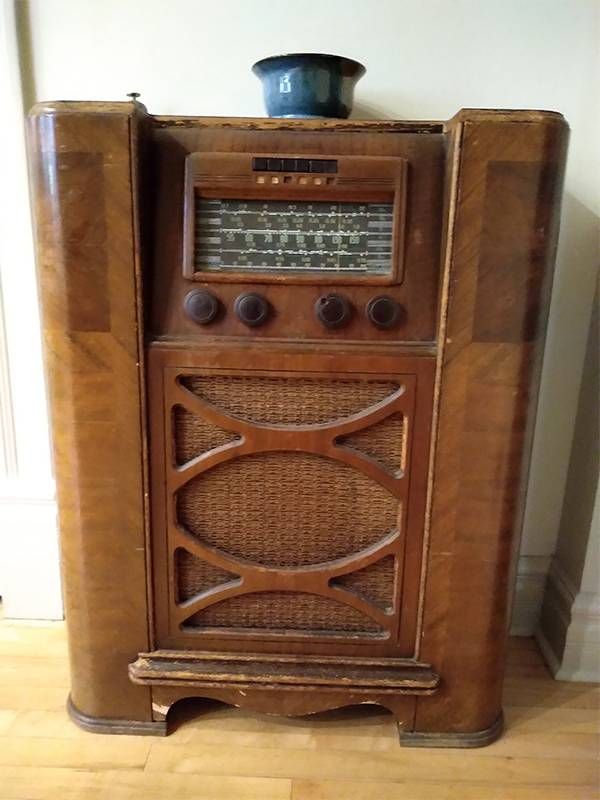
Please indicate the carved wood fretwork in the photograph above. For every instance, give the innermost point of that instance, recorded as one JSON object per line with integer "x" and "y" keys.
{"x": 342, "y": 440}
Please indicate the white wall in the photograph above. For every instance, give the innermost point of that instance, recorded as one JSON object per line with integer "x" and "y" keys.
{"x": 29, "y": 572}
{"x": 424, "y": 59}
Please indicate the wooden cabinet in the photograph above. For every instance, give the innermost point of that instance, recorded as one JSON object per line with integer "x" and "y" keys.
{"x": 293, "y": 367}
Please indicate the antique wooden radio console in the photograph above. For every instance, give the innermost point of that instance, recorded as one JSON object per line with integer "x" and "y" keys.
{"x": 293, "y": 367}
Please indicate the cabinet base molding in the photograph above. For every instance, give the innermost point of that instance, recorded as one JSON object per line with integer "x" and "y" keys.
{"x": 128, "y": 727}
{"x": 306, "y": 673}
{"x": 289, "y": 701}
{"x": 475, "y": 739}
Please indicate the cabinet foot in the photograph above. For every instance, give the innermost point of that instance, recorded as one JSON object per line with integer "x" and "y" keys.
{"x": 475, "y": 739}
{"x": 132, "y": 727}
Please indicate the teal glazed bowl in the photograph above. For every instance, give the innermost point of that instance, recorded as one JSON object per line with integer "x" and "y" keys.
{"x": 306, "y": 85}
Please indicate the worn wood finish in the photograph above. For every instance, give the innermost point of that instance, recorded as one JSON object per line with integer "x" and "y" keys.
{"x": 82, "y": 169}
{"x": 500, "y": 254}
{"x": 165, "y": 668}
{"x": 298, "y": 701}
{"x": 482, "y": 200}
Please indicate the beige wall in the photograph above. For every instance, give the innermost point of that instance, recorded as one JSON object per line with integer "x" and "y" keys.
{"x": 424, "y": 60}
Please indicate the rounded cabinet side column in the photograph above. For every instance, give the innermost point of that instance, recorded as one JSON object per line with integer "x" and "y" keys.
{"x": 505, "y": 183}
{"x": 82, "y": 174}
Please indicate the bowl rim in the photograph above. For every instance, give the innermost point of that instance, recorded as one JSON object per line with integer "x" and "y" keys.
{"x": 357, "y": 68}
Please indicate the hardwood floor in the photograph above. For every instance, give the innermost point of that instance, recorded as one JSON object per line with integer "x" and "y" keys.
{"x": 549, "y": 751}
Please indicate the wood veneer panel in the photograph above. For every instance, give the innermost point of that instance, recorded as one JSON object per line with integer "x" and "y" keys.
{"x": 501, "y": 243}
{"x": 293, "y": 315}
{"x": 82, "y": 174}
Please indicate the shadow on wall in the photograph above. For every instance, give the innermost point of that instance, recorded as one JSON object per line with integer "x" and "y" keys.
{"x": 557, "y": 456}
{"x": 369, "y": 111}
{"x": 582, "y": 480}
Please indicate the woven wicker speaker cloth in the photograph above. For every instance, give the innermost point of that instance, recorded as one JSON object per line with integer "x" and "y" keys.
{"x": 285, "y": 612}
{"x": 288, "y": 401}
{"x": 287, "y": 509}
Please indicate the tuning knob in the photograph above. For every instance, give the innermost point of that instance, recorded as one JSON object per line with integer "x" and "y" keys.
{"x": 333, "y": 310}
{"x": 252, "y": 309}
{"x": 384, "y": 312}
{"x": 201, "y": 306}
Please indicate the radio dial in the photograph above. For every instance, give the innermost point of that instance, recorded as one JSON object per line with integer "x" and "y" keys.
{"x": 201, "y": 306}
{"x": 252, "y": 309}
{"x": 384, "y": 312}
{"x": 333, "y": 310}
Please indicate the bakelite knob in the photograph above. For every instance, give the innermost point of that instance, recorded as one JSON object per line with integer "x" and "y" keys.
{"x": 333, "y": 310}
{"x": 252, "y": 309}
{"x": 201, "y": 306}
{"x": 384, "y": 312}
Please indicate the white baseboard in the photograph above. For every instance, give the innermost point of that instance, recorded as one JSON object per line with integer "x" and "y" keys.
{"x": 532, "y": 572}
{"x": 29, "y": 559}
{"x": 569, "y": 629}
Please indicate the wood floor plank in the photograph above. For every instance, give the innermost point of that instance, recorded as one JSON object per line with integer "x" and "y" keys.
{"x": 550, "y": 694}
{"x": 40, "y": 672}
{"x": 32, "y": 640}
{"x": 401, "y": 765}
{"x": 377, "y": 790}
{"x": 48, "y": 724}
{"x": 541, "y": 742}
{"x": 113, "y": 752}
{"x": 67, "y": 784}
{"x": 554, "y": 720}
{"x": 7, "y": 719}
{"x": 17, "y": 698}
{"x": 519, "y": 743}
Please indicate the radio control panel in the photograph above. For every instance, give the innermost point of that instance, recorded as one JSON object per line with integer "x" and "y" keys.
{"x": 296, "y": 236}
{"x": 332, "y": 310}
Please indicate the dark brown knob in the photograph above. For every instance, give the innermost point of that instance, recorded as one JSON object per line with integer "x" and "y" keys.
{"x": 333, "y": 310}
{"x": 252, "y": 309}
{"x": 201, "y": 306}
{"x": 384, "y": 312}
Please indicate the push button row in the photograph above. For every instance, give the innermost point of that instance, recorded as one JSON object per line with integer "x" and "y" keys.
{"x": 332, "y": 310}
{"x": 294, "y": 165}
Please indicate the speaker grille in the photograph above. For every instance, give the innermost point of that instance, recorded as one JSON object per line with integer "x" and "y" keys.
{"x": 285, "y": 612}
{"x": 288, "y": 401}
{"x": 374, "y": 583}
{"x": 194, "y": 576}
{"x": 286, "y": 509}
{"x": 193, "y": 435}
{"x": 384, "y": 442}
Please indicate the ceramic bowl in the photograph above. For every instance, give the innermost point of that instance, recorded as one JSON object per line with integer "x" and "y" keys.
{"x": 308, "y": 84}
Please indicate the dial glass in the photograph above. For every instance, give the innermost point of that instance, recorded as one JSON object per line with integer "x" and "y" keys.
{"x": 299, "y": 236}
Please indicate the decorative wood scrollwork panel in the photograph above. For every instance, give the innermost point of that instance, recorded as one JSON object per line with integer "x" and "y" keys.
{"x": 286, "y": 503}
